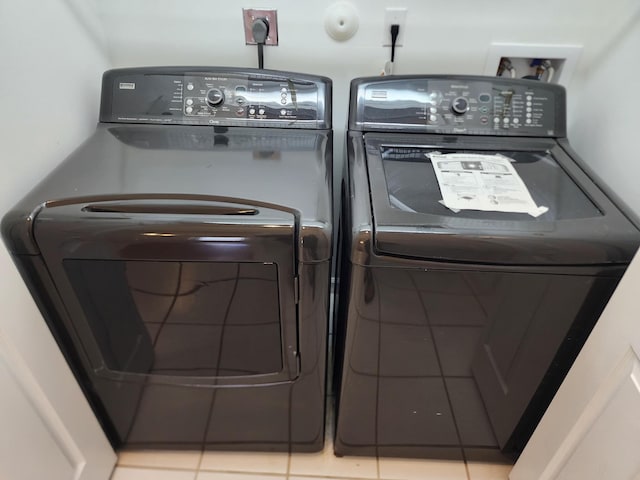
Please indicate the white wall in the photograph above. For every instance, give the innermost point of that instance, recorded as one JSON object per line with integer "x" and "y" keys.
{"x": 50, "y": 87}
{"x": 605, "y": 116}
{"x": 52, "y": 56}
{"x": 604, "y": 128}
{"x": 441, "y": 36}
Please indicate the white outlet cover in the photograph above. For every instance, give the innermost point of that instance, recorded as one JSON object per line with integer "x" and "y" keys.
{"x": 569, "y": 53}
{"x": 394, "y": 15}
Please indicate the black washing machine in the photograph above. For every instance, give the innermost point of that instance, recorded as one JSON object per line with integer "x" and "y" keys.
{"x": 455, "y": 325}
{"x": 181, "y": 257}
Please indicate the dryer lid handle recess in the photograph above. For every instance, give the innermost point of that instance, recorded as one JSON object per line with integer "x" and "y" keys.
{"x": 169, "y": 209}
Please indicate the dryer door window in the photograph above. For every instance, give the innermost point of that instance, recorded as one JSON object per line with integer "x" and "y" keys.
{"x": 193, "y": 319}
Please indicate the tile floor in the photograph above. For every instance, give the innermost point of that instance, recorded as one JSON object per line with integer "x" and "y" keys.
{"x": 196, "y": 465}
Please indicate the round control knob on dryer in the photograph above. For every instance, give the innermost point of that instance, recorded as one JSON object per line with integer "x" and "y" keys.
{"x": 215, "y": 97}
{"x": 460, "y": 105}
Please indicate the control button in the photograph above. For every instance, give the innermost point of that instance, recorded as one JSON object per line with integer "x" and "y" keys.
{"x": 240, "y": 100}
{"x": 190, "y": 86}
{"x": 241, "y": 89}
{"x": 529, "y": 98}
{"x": 528, "y": 120}
{"x": 283, "y": 90}
{"x": 435, "y": 97}
{"x": 239, "y": 112}
{"x": 261, "y": 111}
{"x": 433, "y": 110}
{"x": 188, "y": 109}
{"x": 433, "y": 118}
{"x": 496, "y": 119}
{"x": 283, "y": 101}
{"x": 252, "y": 111}
{"x": 505, "y": 120}
{"x": 484, "y": 120}
{"x": 460, "y": 105}
{"x": 528, "y": 109}
{"x": 484, "y": 97}
{"x": 283, "y": 95}
{"x": 283, "y": 112}
{"x": 484, "y": 109}
{"x": 516, "y": 120}
{"x": 215, "y": 97}
{"x": 528, "y": 115}
{"x": 189, "y": 101}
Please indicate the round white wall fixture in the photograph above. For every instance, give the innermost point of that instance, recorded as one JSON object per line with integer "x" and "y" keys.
{"x": 341, "y": 21}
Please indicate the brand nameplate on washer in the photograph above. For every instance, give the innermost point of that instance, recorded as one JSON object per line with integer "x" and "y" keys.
{"x": 127, "y": 86}
{"x": 382, "y": 94}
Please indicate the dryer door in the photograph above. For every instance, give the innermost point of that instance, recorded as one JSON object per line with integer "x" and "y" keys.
{"x": 168, "y": 289}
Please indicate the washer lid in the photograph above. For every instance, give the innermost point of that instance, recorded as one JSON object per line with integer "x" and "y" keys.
{"x": 581, "y": 226}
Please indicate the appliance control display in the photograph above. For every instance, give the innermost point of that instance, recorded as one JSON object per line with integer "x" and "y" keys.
{"x": 462, "y": 105}
{"x": 240, "y": 97}
{"x": 217, "y": 97}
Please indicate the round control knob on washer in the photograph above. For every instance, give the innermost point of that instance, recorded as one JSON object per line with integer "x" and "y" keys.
{"x": 460, "y": 105}
{"x": 215, "y": 97}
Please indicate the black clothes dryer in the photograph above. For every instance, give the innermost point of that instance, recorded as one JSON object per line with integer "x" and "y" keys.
{"x": 455, "y": 329}
{"x": 181, "y": 257}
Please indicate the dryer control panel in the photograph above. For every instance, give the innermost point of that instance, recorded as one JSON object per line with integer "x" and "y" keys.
{"x": 460, "y": 105}
{"x": 216, "y": 97}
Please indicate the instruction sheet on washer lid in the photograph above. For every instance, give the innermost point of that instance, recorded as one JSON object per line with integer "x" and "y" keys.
{"x": 482, "y": 182}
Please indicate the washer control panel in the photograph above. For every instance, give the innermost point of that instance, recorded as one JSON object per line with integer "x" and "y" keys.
{"x": 460, "y": 105}
{"x": 216, "y": 97}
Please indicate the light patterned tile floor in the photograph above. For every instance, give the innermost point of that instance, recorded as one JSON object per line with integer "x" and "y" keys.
{"x": 488, "y": 471}
{"x": 276, "y": 463}
{"x": 136, "y": 473}
{"x": 181, "y": 460}
{"x": 409, "y": 469}
{"x": 162, "y": 465}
